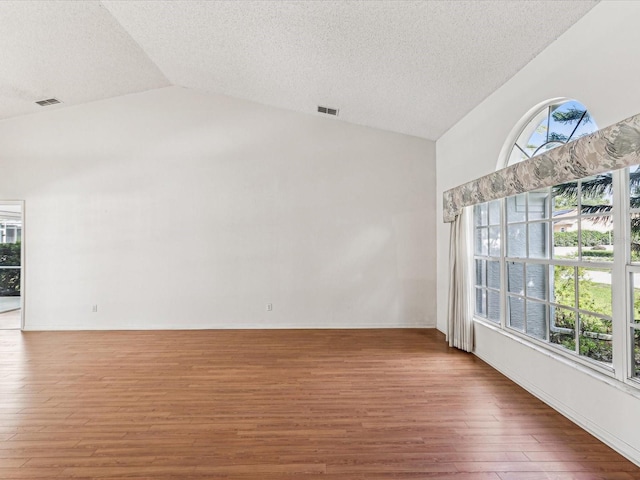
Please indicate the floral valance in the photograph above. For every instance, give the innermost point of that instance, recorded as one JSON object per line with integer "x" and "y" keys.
{"x": 611, "y": 148}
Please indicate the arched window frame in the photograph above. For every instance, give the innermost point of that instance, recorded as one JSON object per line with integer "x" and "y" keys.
{"x": 624, "y": 271}
{"x": 526, "y": 126}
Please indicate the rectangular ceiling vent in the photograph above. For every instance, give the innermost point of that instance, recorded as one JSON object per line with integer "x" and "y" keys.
{"x": 48, "y": 101}
{"x": 328, "y": 111}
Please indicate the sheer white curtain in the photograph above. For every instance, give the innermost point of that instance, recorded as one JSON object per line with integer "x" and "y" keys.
{"x": 460, "y": 318}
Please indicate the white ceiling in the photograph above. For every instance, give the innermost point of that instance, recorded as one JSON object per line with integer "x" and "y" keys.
{"x": 74, "y": 51}
{"x": 414, "y": 67}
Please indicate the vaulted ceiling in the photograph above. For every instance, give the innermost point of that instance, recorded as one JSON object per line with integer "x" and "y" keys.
{"x": 414, "y": 67}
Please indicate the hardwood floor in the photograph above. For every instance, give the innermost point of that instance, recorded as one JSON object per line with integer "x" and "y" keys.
{"x": 332, "y": 404}
{"x": 10, "y": 320}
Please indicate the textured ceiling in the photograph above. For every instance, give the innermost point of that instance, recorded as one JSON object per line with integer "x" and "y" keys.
{"x": 74, "y": 51}
{"x": 405, "y": 66}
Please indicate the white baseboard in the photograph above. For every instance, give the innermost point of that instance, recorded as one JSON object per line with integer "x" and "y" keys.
{"x": 243, "y": 326}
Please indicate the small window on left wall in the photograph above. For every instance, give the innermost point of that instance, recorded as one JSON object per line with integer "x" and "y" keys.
{"x": 11, "y": 265}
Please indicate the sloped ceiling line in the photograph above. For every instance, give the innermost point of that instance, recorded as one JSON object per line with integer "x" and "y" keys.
{"x": 413, "y": 67}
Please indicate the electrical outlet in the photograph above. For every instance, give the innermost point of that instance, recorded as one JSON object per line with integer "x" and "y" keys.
{"x": 269, "y": 307}
{"x": 94, "y": 308}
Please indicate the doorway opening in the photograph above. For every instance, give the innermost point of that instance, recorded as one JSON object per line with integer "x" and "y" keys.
{"x": 11, "y": 281}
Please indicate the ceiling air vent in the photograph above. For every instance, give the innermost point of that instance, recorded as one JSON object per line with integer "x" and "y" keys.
{"x": 48, "y": 101}
{"x": 328, "y": 111}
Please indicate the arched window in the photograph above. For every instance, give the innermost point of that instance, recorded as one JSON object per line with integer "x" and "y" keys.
{"x": 544, "y": 258}
{"x": 559, "y": 266}
{"x": 557, "y": 123}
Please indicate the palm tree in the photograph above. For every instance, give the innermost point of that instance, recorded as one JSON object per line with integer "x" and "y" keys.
{"x": 597, "y": 187}
{"x": 565, "y": 114}
{"x": 594, "y": 189}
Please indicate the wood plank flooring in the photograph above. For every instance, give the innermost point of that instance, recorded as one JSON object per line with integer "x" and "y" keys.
{"x": 10, "y": 320}
{"x": 276, "y": 404}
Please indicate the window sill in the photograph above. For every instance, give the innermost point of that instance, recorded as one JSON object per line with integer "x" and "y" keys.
{"x": 597, "y": 372}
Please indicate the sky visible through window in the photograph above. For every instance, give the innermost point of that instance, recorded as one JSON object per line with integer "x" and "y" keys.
{"x": 557, "y": 125}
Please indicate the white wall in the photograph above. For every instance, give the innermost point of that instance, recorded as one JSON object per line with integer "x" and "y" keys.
{"x": 175, "y": 209}
{"x": 596, "y": 62}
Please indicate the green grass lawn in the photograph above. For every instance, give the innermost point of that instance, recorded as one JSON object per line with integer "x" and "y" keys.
{"x": 600, "y": 294}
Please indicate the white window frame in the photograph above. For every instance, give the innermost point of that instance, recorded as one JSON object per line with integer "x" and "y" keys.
{"x": 622, "y": 368}
{"x": 607, "y": 369}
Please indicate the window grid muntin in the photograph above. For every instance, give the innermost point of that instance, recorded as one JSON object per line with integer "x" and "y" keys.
{"x": 549, "y": 263}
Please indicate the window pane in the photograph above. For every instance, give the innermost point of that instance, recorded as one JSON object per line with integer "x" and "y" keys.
{"x": 481, "y": 275}
{"x": 565, "y": 236}
{"x": 516, "y": 241}
{"x": 635, "y": 292}
{"x": 538, "y": 240}
{"x": 537, "y": 205}
{"x": 585, "y": 128}
{"x": 493, "y": 275}
{"x": 516, "y": 156}
{"x": 634, "y": 204}
{"x": 516, "y": 313}
{"x": 482, "y": 241}
{"x": 515, "y": 274}
{"x": 596, "y": 238}
{"x": 481, "y": 214}
{"x": 634, "y": 186}
{"x": 634, "y": 230}
{"x": 481, "y": 297}
{"x": 493, "y": 306}
{"x": 494, "y": 212}
{"x": 595, "y": 338}
{"x": 516, "y": 208}
{"x": 537, "y": 320}
{"x": 565, "y": 198}
{"x": 562, "y": 328}
{"x": 536, "y": 281}
{"x": 564, "y": 287}
{"x": 595, "y": 194}
{"x": 566, "y": 118}
{"x": 594, "y": 290}
{"x": 494, "y": 241}
{"x": 636, "y": 352}
{"x": 538, "y": 136}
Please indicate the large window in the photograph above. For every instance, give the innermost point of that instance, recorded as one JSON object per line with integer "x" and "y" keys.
{"x": 558, "y": 263}
{"x": 633, "y": 270}
{"x": 547, "y": 257}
